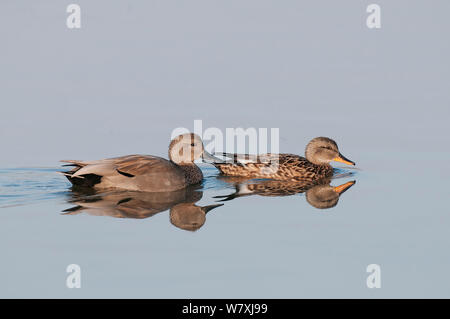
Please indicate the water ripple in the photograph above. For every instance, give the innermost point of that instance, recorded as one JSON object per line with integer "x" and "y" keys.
{"x": 21, "y": 186}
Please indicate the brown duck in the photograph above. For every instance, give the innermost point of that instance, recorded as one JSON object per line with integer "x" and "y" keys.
{"x": 319, "y": 152}
{"x": 144, "y": 172}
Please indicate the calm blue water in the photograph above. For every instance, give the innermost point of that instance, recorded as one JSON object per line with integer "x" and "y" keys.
{"x": 137, "y": 70}
{"x": 253, "y": 246}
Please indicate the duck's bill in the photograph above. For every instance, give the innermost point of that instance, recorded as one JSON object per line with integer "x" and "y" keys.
{"x": 341, "y": 158}
{"x": 208, "y": 208}
{"x": 342, "y": 188}
{"x": 209, "y": 158}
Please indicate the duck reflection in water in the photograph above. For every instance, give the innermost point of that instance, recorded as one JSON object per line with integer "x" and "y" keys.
{"x": 184, "y": 213}
{"x": 318, "y": 194}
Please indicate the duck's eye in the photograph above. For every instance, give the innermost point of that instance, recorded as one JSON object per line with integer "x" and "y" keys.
{"x": 192, "y": 144}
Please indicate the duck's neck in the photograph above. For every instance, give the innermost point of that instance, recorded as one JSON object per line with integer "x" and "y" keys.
{"x": 192, "y": 173}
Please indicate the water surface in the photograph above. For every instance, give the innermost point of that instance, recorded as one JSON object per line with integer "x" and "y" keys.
{"x": 252, "y": 246}
{"x": 137, "y": 70}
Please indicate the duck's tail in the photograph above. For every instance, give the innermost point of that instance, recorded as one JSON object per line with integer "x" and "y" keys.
{"x": 84, "y": 180}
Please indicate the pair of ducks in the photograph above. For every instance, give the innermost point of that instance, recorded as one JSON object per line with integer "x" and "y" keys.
{"x": 155, "y": 174}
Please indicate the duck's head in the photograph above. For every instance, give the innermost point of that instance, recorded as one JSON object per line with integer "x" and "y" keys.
{"x": 186, "y": 148}
{"x": 323, "y": 150}
{"x": 188, "y": 216}
{"x": 326, "y": 196}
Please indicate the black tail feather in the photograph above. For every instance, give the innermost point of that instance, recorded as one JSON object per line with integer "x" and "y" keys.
{"x": 87, "y": 180}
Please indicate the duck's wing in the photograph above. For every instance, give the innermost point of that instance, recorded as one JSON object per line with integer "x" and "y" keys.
{"x": 264, "y": 160}
{"x": 250, "y": 158}
{"x": 131, "y": 165}
{"x": 133, "y": 172}
{"x": 250, "y": 165}
{"x": 135, "y": 165}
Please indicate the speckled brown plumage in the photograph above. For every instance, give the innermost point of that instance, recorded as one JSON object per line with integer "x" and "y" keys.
{"x": 315, "y": 166}
{"x": 289, "y": 167}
